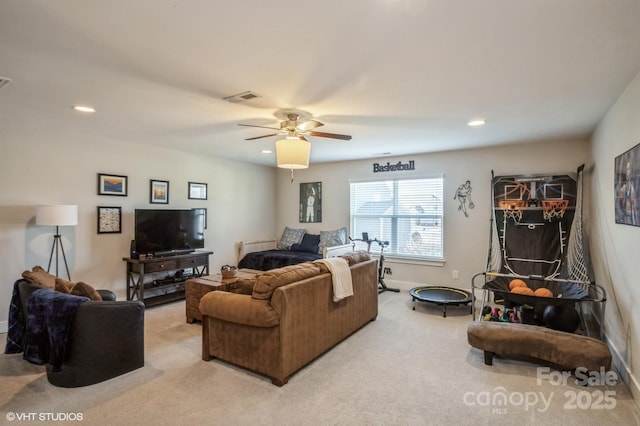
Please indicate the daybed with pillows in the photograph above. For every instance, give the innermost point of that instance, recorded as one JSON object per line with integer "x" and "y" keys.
{"x": 295, "y": 246}
{"x": 83, "y": 335}
{"x": 290, "y": 316}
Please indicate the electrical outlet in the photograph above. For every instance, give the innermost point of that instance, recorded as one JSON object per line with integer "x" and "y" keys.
{"x": 455, "y": 275}
{"x": 388, "y": 271}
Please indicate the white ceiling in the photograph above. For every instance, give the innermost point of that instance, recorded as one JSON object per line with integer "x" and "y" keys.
{"x": 401, "y": 76}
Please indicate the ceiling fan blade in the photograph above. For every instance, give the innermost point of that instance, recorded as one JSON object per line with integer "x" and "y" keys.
{"x": 305, "y": 126}
{"x": 260, "y": 137}
{"x": 330, "y": 135}
{"x": 262, "y": 127}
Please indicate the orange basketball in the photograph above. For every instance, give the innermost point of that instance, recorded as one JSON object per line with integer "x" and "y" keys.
{"x": 522, "y": 290}
{"x": 543, "y": 292}
{"x": 516, "y": 283}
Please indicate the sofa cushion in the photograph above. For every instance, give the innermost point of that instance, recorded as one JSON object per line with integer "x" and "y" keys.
{"x": 270, "y": 280}
{"x": 289, "y": 237}
{"x": 40, "y": 277}
{"x": 243, "y": 285}
{"x": 77, "y": 289}
{"x": 356, "y": 257}
{"x": 336, "y": 237}
{"x": 239, "y": 309}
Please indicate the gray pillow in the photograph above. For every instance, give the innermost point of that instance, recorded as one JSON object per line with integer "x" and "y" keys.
{"x": 289, "y": 237}
{"x": 337, "y": 237}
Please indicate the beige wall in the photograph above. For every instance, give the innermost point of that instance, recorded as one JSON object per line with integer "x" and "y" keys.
{"x": 466, "y": 239}
{"x": 615, "y": 247}
{"x": 52, "y": 166}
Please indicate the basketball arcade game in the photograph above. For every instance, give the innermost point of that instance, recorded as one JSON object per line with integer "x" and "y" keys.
{"x": 536, "y": 236}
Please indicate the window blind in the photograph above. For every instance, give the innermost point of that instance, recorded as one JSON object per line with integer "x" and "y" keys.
{"x": 406, "y": 212}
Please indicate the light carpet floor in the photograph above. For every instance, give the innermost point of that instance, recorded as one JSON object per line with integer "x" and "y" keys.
{"x": 406, "y": 368}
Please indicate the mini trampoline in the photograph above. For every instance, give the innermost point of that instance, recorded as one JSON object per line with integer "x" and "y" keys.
{"x": 440, "y": 296}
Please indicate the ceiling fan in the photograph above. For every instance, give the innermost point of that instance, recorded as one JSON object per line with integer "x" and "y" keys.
{"x": 295, "y": 125}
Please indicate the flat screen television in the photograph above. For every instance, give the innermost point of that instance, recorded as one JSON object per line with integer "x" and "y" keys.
{"x": 166, "y": 232}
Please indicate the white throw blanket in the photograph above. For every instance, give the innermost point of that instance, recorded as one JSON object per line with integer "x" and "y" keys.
{"x": 340, "y": 276}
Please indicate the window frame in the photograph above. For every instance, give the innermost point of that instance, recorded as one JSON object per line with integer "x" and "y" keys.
{"x": 392, "y": 251}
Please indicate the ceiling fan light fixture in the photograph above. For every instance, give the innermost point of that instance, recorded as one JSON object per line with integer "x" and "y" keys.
{"x": 293, "y": 153}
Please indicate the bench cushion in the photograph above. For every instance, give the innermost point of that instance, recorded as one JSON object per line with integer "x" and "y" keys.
{"x": 532, "y": 342}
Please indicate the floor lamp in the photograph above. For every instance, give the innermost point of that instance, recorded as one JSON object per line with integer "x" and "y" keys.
{"x": 57, "y": 215}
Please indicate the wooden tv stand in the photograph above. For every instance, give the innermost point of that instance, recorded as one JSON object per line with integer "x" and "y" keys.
{"x": 143, "y": 286}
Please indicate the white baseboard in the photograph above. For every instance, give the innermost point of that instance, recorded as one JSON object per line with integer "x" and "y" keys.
{"x": 4, "y": 327}
{"x": 624, "y": 372}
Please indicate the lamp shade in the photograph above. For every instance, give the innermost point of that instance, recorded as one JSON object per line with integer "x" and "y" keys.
{"x": 293, "y": 153}
{"x": 57, "y": 215}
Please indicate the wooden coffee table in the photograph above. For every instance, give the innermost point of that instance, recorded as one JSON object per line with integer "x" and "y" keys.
{"x": 195, "y": 288}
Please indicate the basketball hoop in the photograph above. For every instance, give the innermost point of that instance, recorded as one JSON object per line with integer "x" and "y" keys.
{"x": 554, "y": 209}
{"x": 513, "y": 209}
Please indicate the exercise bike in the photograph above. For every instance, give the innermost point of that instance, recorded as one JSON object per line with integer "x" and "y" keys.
{"x": 381, "y": 284}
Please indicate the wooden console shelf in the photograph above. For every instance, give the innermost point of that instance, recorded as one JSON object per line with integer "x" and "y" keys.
{"x": 171, "y": 286}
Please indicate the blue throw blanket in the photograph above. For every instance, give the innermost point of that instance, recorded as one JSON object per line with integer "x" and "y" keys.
{"x": 17, "y": 323}
{"x": 49, "y": 318}
{"x": 271, "y": 259}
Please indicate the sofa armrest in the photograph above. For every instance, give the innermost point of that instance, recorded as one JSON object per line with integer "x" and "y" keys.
{"x": 239, "y": 309}
{"x": 107, "y": 295}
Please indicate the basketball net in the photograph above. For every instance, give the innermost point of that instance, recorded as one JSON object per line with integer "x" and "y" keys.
{"x": 512, "y": 209}
{"x": 554, "y": 209}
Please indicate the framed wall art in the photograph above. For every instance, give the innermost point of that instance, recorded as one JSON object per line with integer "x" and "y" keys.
{"x": 627, "y": 187}
{"x": 311, "y": 202}
{"x": 112, "y": 184}
{"x": 159, "y": 191}
{"x": 197, "y": 191}
{"x": 109, "y": 220}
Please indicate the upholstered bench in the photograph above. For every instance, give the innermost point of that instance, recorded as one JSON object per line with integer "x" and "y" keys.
{"x": 538, "y": 344}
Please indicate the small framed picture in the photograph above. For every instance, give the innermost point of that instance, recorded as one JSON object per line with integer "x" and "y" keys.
{"x": 197, "y": 191}
{"x": 112, "y": 185}
{"x": 159, "y": 192}
{"x": 109, "y": 220}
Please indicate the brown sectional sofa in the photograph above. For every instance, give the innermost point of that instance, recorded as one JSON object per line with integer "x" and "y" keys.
{"x": 289, "y": 319}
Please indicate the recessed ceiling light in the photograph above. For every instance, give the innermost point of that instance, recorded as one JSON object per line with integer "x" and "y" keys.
{"x": 266, "y": 151}
{"x": 474, "y": 123}
{"x": 83, "y": 108}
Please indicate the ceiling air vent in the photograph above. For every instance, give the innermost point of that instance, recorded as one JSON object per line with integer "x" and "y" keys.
{"x": 4, "y": 81}
{"x": 242, "y": 97}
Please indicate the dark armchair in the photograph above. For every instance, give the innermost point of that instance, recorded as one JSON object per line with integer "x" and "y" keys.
{"x": 105, "y": 338}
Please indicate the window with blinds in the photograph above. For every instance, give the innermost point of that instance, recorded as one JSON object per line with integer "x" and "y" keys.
{"x": 405, "y": 212}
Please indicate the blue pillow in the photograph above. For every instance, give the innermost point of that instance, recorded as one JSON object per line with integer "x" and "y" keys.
{"x": 309, "y": 244}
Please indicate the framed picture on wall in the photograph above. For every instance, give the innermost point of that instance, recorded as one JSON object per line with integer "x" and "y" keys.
{"x": 627, "y": 187}
{"x": 159, "y": 192}
{"x": 310, "y": 202}
{"x": 197, "y": 191}
{"x": 109, "y": 220}
{"x": 112, "y": 185}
